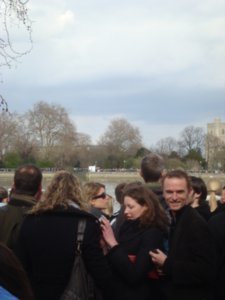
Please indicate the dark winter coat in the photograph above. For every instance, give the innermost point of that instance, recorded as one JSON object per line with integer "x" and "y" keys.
{"x": 217, "y": 227}
{"x": 11, "y": 217}
{"x": 131, "y": 278}
{"x": 204, "y": 211}
{"x": 46, "y": 247}
{"x": 190, "y": 262}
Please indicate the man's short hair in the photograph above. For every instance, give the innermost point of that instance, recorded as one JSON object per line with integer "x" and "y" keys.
{"x": 178, "y": 173}
{"x": 152, "y": 166}
{"x": 27, "y": 180}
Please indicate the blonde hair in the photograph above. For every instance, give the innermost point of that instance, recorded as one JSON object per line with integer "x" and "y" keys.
{"x": 91, "y": 189}
{"x": 214, "y": 187}
{"x": 63, "y": 187}
{"x": 109, "y": 210}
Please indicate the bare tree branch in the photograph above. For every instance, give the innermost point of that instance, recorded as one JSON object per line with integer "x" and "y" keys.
{"x": 13, "y": 15}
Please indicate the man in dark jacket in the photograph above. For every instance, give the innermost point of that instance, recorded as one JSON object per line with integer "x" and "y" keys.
{"x": 217, "y": 227}
{"x": 25, "y": 192}
{"x": 189, "y": 266}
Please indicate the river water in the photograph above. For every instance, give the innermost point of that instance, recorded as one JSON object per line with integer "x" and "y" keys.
{"x": 7, "y": 182}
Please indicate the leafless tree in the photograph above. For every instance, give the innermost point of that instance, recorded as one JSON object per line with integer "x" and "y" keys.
{"x": 83, "y": 139}
{"x": 166, "y": 146}
{"x": 8, "y": 133}
{"x": 53, "y": 130}
{"x": 3, "y": 104}
{"x": 192, "y": 138}
{"x": 13, "y": 16}
{"x": 121, "y": 137}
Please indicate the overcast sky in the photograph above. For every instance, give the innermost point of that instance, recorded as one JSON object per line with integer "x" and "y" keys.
{"x": 158, "y": 63}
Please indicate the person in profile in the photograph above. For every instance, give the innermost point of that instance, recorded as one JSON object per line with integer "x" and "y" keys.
{"x": 220, "y": 203}
{"x": 26, "y": 191}
{"x": 14, "y": 283}
{"x": 198, "y": 197}
{"x": 97, "y": 198}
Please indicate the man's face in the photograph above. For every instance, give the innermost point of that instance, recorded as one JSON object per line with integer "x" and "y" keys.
{"x": 176, "y": 193}
{"x": 222, "y": 199}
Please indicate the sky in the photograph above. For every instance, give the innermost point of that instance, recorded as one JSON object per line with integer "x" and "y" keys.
{"x": 160, "y": 64}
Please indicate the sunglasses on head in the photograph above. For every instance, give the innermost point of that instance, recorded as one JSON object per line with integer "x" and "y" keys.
{"x": 102, "y": 195}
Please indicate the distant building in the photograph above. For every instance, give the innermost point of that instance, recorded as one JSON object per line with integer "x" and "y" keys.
{"x": 217, "y": 129}
{"x": 92, "y": 169}
{"x": 215, "y": 145}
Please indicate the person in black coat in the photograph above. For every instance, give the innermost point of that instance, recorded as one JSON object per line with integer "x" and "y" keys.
{"x": 217, "y": 227}
{"x": 25, "y": 193}
{"x": 47, "y": 239}
{"x": 145, "y": 229}
{"x": 198, "y": 197}
{"x": 188, "y": 268}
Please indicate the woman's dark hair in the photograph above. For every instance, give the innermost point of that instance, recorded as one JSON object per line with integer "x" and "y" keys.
{"x": 155, "y": 214}
{"x": 12, "y": 275}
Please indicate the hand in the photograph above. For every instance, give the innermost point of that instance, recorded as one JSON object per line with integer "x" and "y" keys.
{"x": 104, "y": 246}
{"x": 158, "y": 257}
{"x": 107, "y": 233}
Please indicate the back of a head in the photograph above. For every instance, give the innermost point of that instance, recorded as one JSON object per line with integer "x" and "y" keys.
{"x": 152, "y": 167}
{"x": 63, "y": 189}
{"x": 27, "y": 180}
{"x": 214, "y": 186}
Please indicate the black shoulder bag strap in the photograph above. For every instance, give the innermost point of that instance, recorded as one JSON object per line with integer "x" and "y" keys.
{"x": 80, "y": 237}
{"x": 80, "y": 234}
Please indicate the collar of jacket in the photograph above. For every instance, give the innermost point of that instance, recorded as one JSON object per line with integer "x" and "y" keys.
{"x": 22, "y": 199}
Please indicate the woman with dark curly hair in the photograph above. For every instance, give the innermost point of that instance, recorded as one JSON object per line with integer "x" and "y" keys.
{"x": 144, "y": 230}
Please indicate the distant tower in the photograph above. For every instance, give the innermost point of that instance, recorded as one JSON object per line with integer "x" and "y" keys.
{"x": 214, "y": 147}
{"x": 217, "y": 129}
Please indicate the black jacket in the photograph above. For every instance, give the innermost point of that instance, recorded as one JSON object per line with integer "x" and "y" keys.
{"x": 131, "y": 278}
{"x": 190, "y": 264}
{"x": 11, "y": 217}
{"x": 46, "y": 247}
{"x": 217, "y": 227}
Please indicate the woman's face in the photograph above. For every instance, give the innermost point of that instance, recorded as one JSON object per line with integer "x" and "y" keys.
{"x": 133, "y": 210}
{"x": 101, "y": 199}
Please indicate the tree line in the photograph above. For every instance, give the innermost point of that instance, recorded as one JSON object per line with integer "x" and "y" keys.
{"x": 46, "y": 136}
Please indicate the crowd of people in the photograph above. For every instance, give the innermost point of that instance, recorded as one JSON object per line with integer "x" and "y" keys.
{"x": 166, "y": 241}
